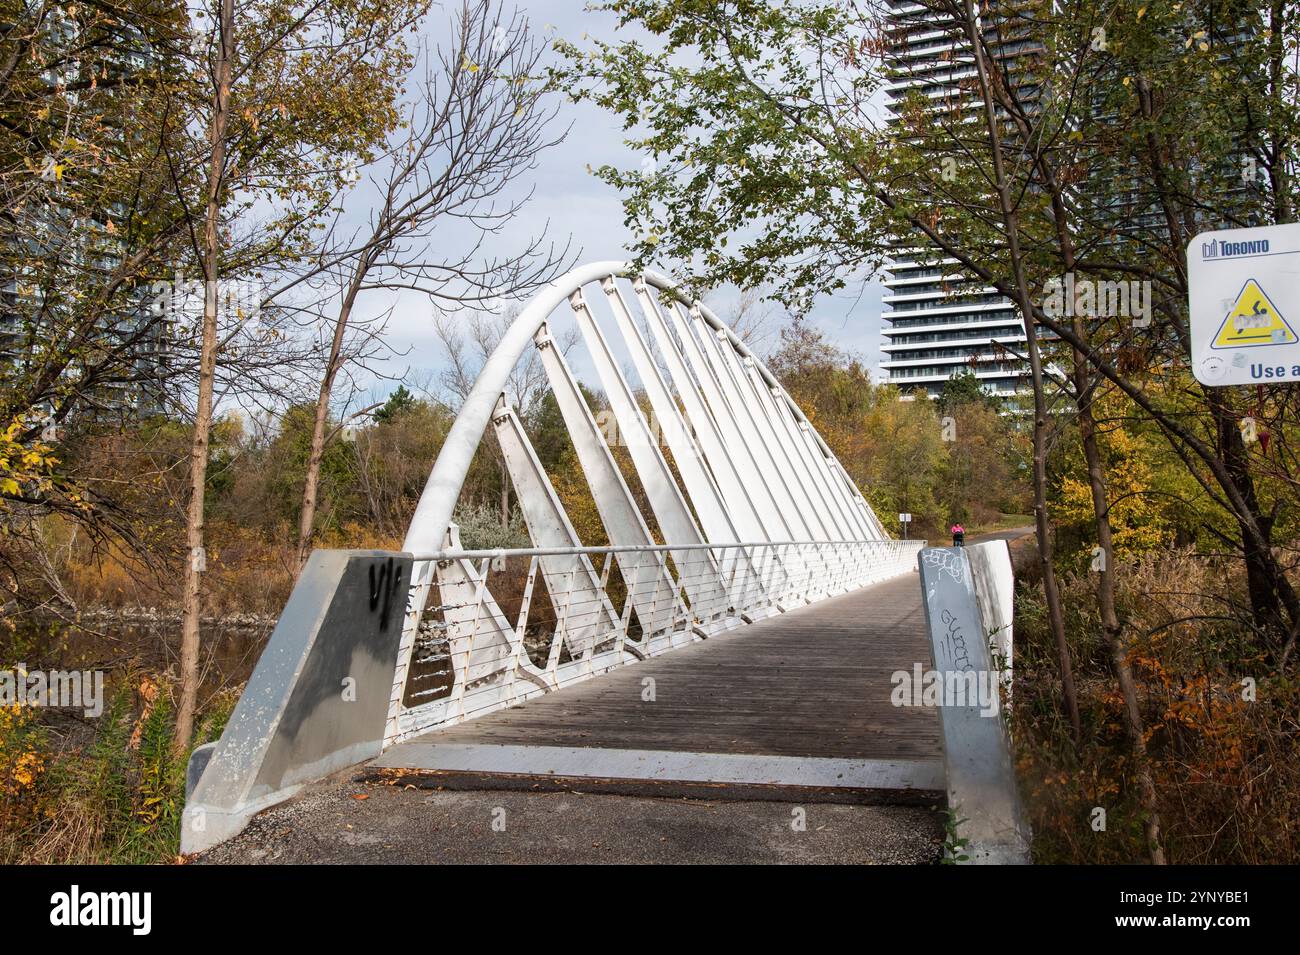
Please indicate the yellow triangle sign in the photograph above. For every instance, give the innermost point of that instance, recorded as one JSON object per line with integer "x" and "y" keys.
{"x": 1254, "y": 320}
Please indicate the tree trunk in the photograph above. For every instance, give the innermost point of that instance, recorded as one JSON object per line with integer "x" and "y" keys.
{"x": 1112, "y": 625}
{"x": 311, "y": 484}
{"x": 1265, "y": 601}
{"x": 191, "y": 608}
{"x": 1051, "y": 589}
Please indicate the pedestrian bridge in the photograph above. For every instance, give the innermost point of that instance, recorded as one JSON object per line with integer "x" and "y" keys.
{"x": 737, "y": 625}
{"x": 740, "y": 510}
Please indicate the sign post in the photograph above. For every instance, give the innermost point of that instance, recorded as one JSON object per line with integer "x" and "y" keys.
{"x": 1243, "y": 289}
{"x": 904, "y": 518}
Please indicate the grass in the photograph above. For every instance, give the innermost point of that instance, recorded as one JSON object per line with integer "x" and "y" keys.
{"x": 113, "y": 796}
{"x": 1005, "y": 522}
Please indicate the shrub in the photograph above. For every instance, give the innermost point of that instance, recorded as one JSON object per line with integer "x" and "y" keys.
{"x": 1225, "y": 766}
{"x": 115, "y": 799}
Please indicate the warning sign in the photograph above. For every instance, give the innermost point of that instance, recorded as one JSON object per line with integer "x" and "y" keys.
{"x": 1254, "y": 320}
{"x": 1243, "y": 291}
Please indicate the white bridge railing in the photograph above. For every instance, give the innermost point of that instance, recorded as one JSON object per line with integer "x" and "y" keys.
{"x": 495, "y": 639}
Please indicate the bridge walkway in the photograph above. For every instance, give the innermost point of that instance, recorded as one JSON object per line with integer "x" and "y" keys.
{"x": 801, "y": 699}
{"x": 773, "y": 743}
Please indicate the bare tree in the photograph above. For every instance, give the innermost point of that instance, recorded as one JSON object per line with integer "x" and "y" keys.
{"x": 260, "y": 63}
{"x": 1011, "y": 225}
{"x": 751, "y": 318}
{"x": 211, "y": 248}
{"x": 477, "y": 124}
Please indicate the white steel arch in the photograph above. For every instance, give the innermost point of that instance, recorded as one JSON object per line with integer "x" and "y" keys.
{"x": 755, "y": 513}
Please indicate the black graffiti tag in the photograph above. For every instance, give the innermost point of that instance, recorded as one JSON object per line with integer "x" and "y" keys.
{"x": 384, "y": 586}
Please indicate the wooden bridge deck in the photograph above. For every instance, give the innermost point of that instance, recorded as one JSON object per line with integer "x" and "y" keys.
{"x": 801, "y": 699}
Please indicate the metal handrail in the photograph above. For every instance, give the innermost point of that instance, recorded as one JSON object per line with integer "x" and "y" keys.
{"x": 643, "y": 549}
{"x": 479, "y": 657}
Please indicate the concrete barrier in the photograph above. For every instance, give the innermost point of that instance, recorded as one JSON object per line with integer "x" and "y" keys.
{"x": 995, "y": 586}
{"x": 967, "y": 593}
{"x": 317, "y": 700}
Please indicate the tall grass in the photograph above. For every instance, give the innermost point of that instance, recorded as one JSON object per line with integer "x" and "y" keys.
{"x": 113, "y": 797}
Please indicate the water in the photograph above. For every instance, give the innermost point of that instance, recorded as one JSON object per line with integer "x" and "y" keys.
{"x": 120, "y": 644}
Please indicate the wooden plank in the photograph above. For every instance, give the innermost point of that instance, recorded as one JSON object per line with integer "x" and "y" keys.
{"x": 814, "y": 682}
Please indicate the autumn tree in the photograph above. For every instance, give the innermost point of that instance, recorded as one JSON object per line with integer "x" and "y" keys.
{"x": 297, "y": 94}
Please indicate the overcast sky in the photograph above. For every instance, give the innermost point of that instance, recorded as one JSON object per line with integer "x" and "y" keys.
{"x": 570, "y": 202}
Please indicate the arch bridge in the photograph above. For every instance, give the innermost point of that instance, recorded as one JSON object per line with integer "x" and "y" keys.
{"x": 734, "y": 617}
{"x": 740, "y": 509}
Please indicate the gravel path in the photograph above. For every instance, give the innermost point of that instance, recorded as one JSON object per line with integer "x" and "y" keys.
{"x": 332, "y": 823}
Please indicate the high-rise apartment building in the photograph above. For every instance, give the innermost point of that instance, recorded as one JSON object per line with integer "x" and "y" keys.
{"x": 939, "y": 323}
{"x": 56, "y": 253}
